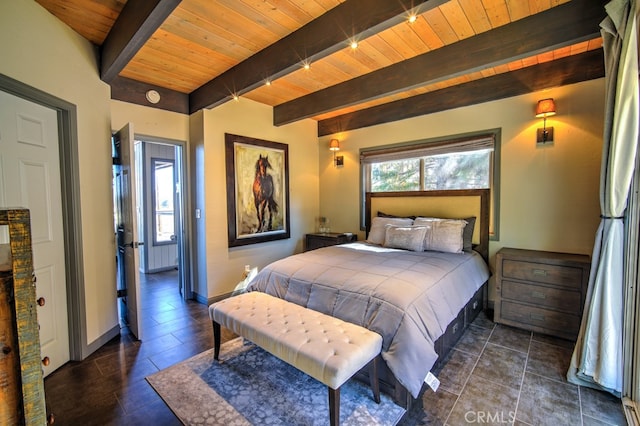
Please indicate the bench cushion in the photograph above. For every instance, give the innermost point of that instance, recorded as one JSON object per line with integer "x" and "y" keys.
{"x": 326, "y": 348}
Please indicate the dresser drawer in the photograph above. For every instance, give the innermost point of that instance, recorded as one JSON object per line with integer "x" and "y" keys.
{"x": 548, "y": 297}
{"x": 565, "y": 276}
{"x": 545, "y": 320}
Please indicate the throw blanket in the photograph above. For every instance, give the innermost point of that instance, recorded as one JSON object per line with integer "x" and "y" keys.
{"x": 407, "y": 297}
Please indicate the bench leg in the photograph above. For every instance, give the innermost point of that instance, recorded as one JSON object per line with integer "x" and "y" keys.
{"x": 334, "y": 406}
{"x": 216, "y": 341}
{"x": 373, "y": 379}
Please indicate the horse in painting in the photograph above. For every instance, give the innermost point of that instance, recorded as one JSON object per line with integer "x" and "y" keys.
{"x": 263, "y": 190}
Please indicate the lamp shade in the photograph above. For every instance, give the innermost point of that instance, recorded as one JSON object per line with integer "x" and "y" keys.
{"x": 334, "y": 145}
{"x": 546, "y": 108}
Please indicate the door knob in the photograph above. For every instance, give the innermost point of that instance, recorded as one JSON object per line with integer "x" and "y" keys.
{"x": 41, "y": 301}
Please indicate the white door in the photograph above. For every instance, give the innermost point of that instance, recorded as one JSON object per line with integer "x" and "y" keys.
{"x": 126, "y": 194}
{"x": 30, "y": 177}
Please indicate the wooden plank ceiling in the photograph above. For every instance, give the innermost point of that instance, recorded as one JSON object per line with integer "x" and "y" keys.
{"x": 202, "y": 53}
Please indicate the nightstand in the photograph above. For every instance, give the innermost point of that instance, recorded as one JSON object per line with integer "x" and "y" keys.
{"x": 314, "y": 241}
{"x": 541, "y": 291}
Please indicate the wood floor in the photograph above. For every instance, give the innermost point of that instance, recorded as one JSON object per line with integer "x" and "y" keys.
{"x": 109, "y": 387}
{"x": 494, "y": 375}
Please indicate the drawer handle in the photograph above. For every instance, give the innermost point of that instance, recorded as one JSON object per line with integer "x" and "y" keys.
{"x": 475, "y": 304}
{"x": 455, "y": 328}
{"x": 540, "y": 272}
{"x": 538, "y": 295}
{"x": 536, "y": 317}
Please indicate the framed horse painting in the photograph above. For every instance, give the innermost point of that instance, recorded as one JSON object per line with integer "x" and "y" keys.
{"x": 257, "y": 190}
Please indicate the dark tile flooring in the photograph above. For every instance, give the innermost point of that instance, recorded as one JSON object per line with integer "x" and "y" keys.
{"x": 494, "y": 375}
{"x": 502, "y": 375}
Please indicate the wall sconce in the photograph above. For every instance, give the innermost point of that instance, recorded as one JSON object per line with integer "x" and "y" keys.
{"x": 545, "y": 108}
{"x": 334, "y": 145}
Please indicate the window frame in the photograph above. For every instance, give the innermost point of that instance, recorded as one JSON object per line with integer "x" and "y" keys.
{"x": 392, "y": 152}
{"x": 153, "y": 162}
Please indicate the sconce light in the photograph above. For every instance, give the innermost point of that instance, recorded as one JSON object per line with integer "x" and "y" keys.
{"x": 545, "y": 108}
{"x": 334, "y": 145}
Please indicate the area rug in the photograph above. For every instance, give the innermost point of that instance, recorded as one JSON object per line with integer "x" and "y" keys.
{"x": 252, "y": 387}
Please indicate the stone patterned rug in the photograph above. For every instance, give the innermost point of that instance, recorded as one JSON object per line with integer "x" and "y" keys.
{"x": 252, "y": 387}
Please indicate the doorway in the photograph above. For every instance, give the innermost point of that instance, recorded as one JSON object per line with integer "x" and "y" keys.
{"x": 159, "y": 175}
{"x": 72, "y": 226}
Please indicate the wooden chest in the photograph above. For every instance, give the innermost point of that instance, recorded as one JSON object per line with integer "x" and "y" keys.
{"x": 541, "y": 291}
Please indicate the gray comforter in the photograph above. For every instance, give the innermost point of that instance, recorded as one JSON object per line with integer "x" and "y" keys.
{"x": 407, "y": 297}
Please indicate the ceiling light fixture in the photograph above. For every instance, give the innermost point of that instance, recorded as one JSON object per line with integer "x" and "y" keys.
{"x": 152, "y": 96}
{"x": 307, "y": 65}
{"x": 235, "y": 97}
{"x": 412, "y": 18}
{"x": 267, "y": 83}
{"x": 354, "y": 45}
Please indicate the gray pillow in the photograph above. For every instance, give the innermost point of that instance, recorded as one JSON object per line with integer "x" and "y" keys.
{"x": 405, "y": 237}
{"x": 378, "y": 227}
{"x": 444, "y": 234}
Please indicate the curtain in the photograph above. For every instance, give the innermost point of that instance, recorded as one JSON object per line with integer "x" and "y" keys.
{"x": 597, "y": 357}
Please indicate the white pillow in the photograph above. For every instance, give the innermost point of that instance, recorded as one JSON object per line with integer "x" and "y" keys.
{"x": 405, "y": 237}
{"x": 444, "y": 234}
{"x": 378, "y": 227}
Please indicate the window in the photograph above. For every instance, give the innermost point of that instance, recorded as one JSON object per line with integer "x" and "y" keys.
{"x": 456, "y": 162}
{"x": 163, "y": 217}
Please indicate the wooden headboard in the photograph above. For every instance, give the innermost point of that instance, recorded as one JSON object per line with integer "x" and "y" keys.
{"x": 458, "y": 203}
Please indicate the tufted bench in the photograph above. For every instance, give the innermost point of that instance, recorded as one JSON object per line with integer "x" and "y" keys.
{"x": 326, "y": 348}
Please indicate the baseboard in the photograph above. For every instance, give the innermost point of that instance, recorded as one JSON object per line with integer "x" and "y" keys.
{"x": 209, "y": 300}
{"x": 163, "y": 269}
{"x": 101, "y": 341}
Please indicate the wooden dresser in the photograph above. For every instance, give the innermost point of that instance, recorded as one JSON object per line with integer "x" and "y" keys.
{"x": 314, "y": 241}
{"x": 541, "y": 291}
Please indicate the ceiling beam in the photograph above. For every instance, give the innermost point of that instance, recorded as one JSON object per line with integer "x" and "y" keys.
{"x": 559, "y": 26}
{"x": 568, "y": 70}
{"x": 137, "y": 21}
{"x": 135, "y": 92}
{"x": 315, "y": 40}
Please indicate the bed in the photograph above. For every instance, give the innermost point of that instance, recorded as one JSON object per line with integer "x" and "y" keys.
{"x": 419, "y": 301}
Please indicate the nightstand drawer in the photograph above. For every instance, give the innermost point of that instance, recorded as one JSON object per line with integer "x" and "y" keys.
{"x": 544, "y": 320}
{"x": 547, "y": 297}
{"x": 565, "y": 276}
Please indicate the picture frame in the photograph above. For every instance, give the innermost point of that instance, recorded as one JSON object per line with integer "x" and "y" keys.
{"x": 257, "y": 174}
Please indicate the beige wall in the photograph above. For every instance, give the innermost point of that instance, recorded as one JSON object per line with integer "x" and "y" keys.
{"x": 38, "y": 50}
{"x": 149, "y": 121}
{"x": 224, "y": 265}
{"x": 549, "y": 194}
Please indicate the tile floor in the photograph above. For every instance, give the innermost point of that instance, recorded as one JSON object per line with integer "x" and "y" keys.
{"x": 498, "y": 375}
{"x": 493, "y": 374}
